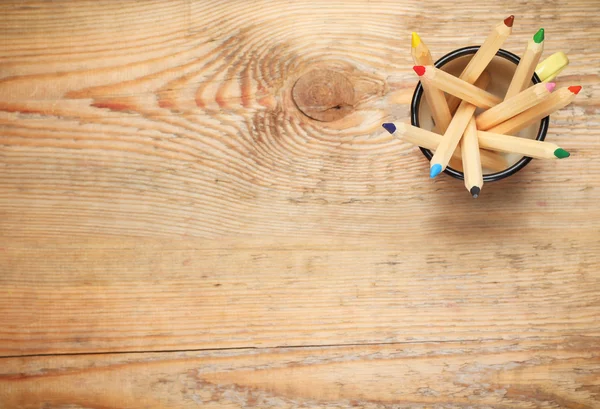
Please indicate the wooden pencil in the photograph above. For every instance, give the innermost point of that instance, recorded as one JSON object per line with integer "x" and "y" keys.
{"x": 435, "y": 98}
{"x": 471, "y": 159}
{"x": 549, "y": 68}
{"x": 443, "y": 81}
{"x": 522, "y": 77}
{"x": 553, "y": 102}
{"x": 513, "y": 106}
{"x": 483, "y": 56}
{"x": 523, "y": 146}
{"x": 455, "y": 130}
{"x": 430, "y": 140}
{"x": 419, "y": 51}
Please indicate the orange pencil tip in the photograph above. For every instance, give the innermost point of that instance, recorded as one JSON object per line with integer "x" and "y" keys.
{"x": 508, "y": 21}
{"x": 575, "y": 89}
{"x": 419, "y": 69}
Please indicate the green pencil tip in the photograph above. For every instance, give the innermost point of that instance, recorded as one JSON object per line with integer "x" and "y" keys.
{"x": 560, "y": 153}
{"x": 539, "y": 36}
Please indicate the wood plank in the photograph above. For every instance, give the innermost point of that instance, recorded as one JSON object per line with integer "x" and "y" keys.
{"x": 552, "y": 374}
{"x": 78, "y": 300}
{"x": 161, "y": 190}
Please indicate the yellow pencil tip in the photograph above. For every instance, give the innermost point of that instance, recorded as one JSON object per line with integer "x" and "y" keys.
{"x": 416, "y": 40}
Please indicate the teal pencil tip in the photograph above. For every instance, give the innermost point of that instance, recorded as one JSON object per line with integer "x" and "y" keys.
{"x": 435, "y": 170}
{"x": 560, "y": 153}
{"x": 539, "y": 36}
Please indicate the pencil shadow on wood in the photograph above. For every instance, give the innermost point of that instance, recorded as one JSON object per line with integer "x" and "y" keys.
{"x": 502, "y": 205}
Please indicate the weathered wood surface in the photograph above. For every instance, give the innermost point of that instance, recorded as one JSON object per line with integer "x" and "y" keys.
{"x": 162, "y": 189}
{"x": 457, "y": 375}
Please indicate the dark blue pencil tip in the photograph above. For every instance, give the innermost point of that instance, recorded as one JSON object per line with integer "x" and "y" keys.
{"x": 435, "y": 170}
{"x": 391, "y": 128}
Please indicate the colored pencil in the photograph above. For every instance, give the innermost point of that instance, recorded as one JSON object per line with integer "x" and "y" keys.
{"x": 430, "y": 140}
{"x": 513, "y": 106}
{"x": 419, "y": 51}
{"x": 471, "y": 159}
{"x": 455, "y": 86}
{"x": 435, "y": 98}
{"x": 553, "y": 102}
{"x": 524, "y": 146}
{"x": 522, "y": 77}
{"x": 455, "y": 130}
{"x": 484, "y": 55}
{"x": 549, "y": 69}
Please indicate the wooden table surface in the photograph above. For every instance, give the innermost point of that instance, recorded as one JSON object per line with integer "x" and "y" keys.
{"x": 176, "y": 232}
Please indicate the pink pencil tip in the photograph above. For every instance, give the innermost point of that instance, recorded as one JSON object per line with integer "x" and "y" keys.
{"x": 550, "y": 86}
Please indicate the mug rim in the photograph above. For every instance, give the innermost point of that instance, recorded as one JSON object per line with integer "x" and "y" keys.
{"x": 416, "y": 101}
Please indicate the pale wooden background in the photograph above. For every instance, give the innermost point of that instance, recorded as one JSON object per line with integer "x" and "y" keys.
{"x": 174, "y": 233}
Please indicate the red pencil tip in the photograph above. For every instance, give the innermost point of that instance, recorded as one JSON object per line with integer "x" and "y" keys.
{"x": 508, "y": 21}
{"x": 419, "y": 69}
{"x": 575, "y": 89}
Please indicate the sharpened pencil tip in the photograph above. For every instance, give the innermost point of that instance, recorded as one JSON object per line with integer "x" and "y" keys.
{"x": 539, "y": 36}
{"x": 560, "y": 153}
{"x": 415, "y": 40}
{"x": 419, "y": 69}
{"x": 475, "y": 192}
{"x": 575, "y": 89}
{"x": 388, "y": 126}
{"x": 508, "y": 21}
{"x": 435, "y": 170}
{"x": 550, "y": 86}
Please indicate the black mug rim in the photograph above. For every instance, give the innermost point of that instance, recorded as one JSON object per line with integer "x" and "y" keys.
{"x": 416, "y": 100}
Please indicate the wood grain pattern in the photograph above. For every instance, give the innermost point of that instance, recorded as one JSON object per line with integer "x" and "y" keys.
{"x": 161, "y": 189}
{"x": 145, "y": 299}
{"x": 546, "y": 374}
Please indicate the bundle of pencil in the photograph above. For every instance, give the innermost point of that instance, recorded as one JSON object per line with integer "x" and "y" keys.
{"x": 470, "y": 142}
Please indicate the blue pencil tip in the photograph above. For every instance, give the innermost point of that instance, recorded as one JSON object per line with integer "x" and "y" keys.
{"x": 435, "y": 170}
{"x": 391, "y": 128}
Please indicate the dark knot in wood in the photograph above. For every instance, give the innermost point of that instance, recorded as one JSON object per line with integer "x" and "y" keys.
{"x": 324, "y": 95}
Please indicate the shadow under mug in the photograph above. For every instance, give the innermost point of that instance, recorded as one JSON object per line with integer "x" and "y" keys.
{"x": 501, "y": 69}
